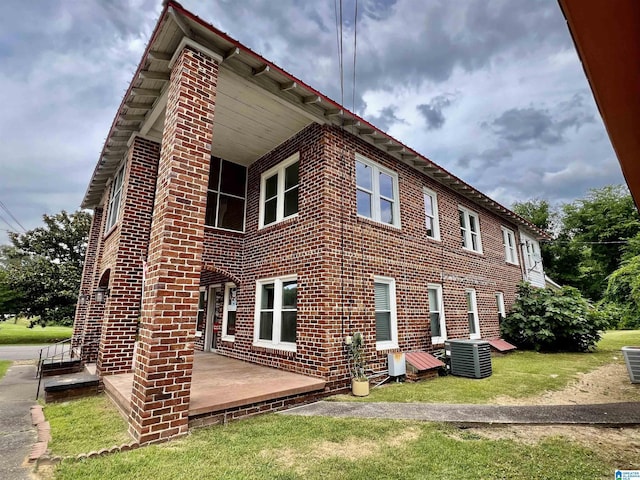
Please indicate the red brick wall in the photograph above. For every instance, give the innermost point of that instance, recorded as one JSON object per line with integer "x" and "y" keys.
{"x": 162, "y": 376}
{"x": 122, "y": 309}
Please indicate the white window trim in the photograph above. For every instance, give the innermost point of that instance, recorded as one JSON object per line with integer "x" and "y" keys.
{"x": 436, "y": 218}
{"x": 375, "y": 192}
{"x": 225, "y": 313}
{"x": 204, "y": 308}
{"x": 393, "y": 343}
{"x": 500, "y": 305}
{"x": 510, "y": 253}
{"x": 277, "y": 315}
{"x": 443, "y": 324}
{"x": 467, "y": 231}
{"x": 279, "y": 170}
{"x": 113, "y": 214}
{"x": 474, "y": 306}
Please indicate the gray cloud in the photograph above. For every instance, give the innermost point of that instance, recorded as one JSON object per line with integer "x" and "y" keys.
{"x": 432, "y": 111}
{"x": 385, "y": 118}
{"x": 525, "y": 127}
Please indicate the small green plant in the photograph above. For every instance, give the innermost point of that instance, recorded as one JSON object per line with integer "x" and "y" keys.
{"x": 553, "y": 321}
{"x": 358, "y": 360}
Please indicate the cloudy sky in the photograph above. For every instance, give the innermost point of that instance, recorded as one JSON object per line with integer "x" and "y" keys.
{"x": 490, "y": 89}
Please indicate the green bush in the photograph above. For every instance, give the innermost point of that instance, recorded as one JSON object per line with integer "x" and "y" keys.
{"x": 552, "y": 321}
{"x": 623, "y": 294}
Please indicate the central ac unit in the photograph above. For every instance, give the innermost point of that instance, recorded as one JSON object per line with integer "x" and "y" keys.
{"x": 470, "y": 358}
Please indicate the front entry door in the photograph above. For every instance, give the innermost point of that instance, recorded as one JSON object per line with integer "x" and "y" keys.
{"x": 214, "y": 318}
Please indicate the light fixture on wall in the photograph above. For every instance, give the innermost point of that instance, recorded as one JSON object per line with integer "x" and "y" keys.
{"x": 83, "y": 299}
{"x": 100, "y": 294}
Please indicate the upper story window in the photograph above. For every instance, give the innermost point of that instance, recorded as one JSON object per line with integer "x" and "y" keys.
{"x": 532, "y": 255}
{"x": 114, "y": 200}
{"x": 470, "y": 230}
{"x": 509, "y": 242}
{"x": 279, "y": 191}
{"x": 377, "y": 192}
{"x": 276, "y": 313}
{"x": 431, "y": 214}
{"x": 226, "y": 195}
{"x": 386, "y": 319}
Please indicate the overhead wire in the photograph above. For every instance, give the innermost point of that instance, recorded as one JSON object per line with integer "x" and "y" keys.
{"x": 6, "y": 209}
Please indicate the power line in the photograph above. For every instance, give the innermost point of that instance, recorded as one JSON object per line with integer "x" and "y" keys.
{"x": 6, "y": 209}
{"x": 611, "y": 242}
{"x": 8, "y": 224}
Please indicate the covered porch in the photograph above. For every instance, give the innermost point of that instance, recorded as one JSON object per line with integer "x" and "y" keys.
{"x": 223, "y": 385}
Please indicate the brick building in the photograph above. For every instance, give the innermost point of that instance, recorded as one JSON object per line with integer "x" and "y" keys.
{"x": 238, "y": 210}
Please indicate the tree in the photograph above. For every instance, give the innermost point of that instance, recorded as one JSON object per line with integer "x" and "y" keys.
{"x": 44, "y": 266}
{"x": 538, "y": 212}
{"x": 623, "y": 293}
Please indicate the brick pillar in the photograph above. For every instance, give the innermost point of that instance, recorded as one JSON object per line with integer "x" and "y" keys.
{"x": 162, "y": 377}
{"x": 87, "y": 281}
{"x": 123, "y": 305}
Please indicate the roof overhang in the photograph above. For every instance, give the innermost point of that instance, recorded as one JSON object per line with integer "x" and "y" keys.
{"x": 607, "y": 37}
{"x": 248, "y": 86}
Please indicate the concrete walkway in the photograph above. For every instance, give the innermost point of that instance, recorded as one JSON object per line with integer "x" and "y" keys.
{"x": 606, "y": 415}
{"x": 17, "y": 435}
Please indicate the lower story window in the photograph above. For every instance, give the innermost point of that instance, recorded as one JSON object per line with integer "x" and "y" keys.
{"x": 472, "y": 314}
{"x": 386, "y": 320}
{"x": 229, "y": 313}
{"x": 500, "y": 305}
{"x": 276, "y": 313}
{"x": 436, "y": 314}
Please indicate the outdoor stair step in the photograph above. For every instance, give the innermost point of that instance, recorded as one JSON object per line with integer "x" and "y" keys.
{"x": 73, "y": 385}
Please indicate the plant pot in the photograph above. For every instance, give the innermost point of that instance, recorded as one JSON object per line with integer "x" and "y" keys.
{"x": 359, "y": 388}
{"x": 632, "y": 359}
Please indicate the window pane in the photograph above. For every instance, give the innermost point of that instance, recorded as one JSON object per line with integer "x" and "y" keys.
{"x": 270, "y": 211}
{"x": 364, "y": 203}
{"x": 435, "y": 324}
{"x": 266, "y": 326}
{"x": 201, "y": 298}
{"x": 214, "y": 173}
{"x": 386, "y": 185}
{"x": 363, "y": 176}
{"x": 291, "y": 176}
{"x": 433, "y": 300}
{"x": 472, "y": 223}
{"x": 429, "y": 227}
{"x": 474, "y": 241}
{"x": 428, "y": 205}
{"x": 472, "y": 323}
{"x": 463, "y": 223}
{"x": 234, "y": 178}
{"x": 289, "y": 294}
{"x": 266, "y": 298}
{"x": 288, "y": 331}
{"x": 200, "y": 320}
{"x": 231, "y": 323}
{"x": 469, "y": 302}
{"x": 291, "y": 202}
{"x": 383, "y": 326}
{"x": 231, "y": 213}
{"x": 382, "y": 296}
{"x": 212, "y": 202}
{"x": 271, "y": 187}
{"x": 386, "y": 211}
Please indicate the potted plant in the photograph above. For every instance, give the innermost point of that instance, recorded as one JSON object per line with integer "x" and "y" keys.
{"x": 359, "y": 380}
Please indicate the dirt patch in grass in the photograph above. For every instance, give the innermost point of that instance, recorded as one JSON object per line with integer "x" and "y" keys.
{"x": 619, "y": 446}
{"x": 606, "y": 384}
{"x": 351, "y": 449}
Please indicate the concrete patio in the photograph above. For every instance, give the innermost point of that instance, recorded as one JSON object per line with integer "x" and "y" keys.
{"x": 221, "y": 383}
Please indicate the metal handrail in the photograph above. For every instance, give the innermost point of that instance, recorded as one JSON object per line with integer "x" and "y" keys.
{"x": 60, "y": 353}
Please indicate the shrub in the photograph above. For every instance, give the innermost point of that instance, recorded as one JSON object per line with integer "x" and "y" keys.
{"x": 543, "y": 319}
{"x": 623, "y": 294}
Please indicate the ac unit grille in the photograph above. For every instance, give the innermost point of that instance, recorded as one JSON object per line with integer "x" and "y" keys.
{"x": 470, "y": 358}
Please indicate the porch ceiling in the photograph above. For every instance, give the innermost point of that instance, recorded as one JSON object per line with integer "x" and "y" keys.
{"x": 258, "y": 106}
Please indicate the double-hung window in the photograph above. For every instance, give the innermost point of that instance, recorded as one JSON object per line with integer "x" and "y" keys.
{"x": 114, "y": 200}
{"x": 500, "y": 305}
{"x": 436, "y": 314}
{"x": 226, "y": 195}
{"x": 510, "y": 250}
{"x": 385, "y": 306}
{"x": 470, "y": 230}
{"x": 431, "y": 214}
{"x": 229, "y": 312}
{"x": 276, "y": 313}
{"x": 472, "y": 314}
{"x": 377, "y": 192}
{"x": 279, "y": 191}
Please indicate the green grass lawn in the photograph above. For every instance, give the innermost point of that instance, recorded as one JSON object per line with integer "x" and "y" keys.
{"x": 4, "y": 366}
{"x": 518, "y": 374}
{"x": 84, "y": 425}
{"x": 18, "y": 333}
{"x": 275, "y": 447}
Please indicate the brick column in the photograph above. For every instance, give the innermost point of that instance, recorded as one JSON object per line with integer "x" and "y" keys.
{"x": 91, "y": 261}
{"x": 122, "y": 310}
{"x": 162, "y": 377}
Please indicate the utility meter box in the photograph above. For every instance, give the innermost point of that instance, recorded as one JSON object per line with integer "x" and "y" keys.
{"x": 397, "y": 364}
